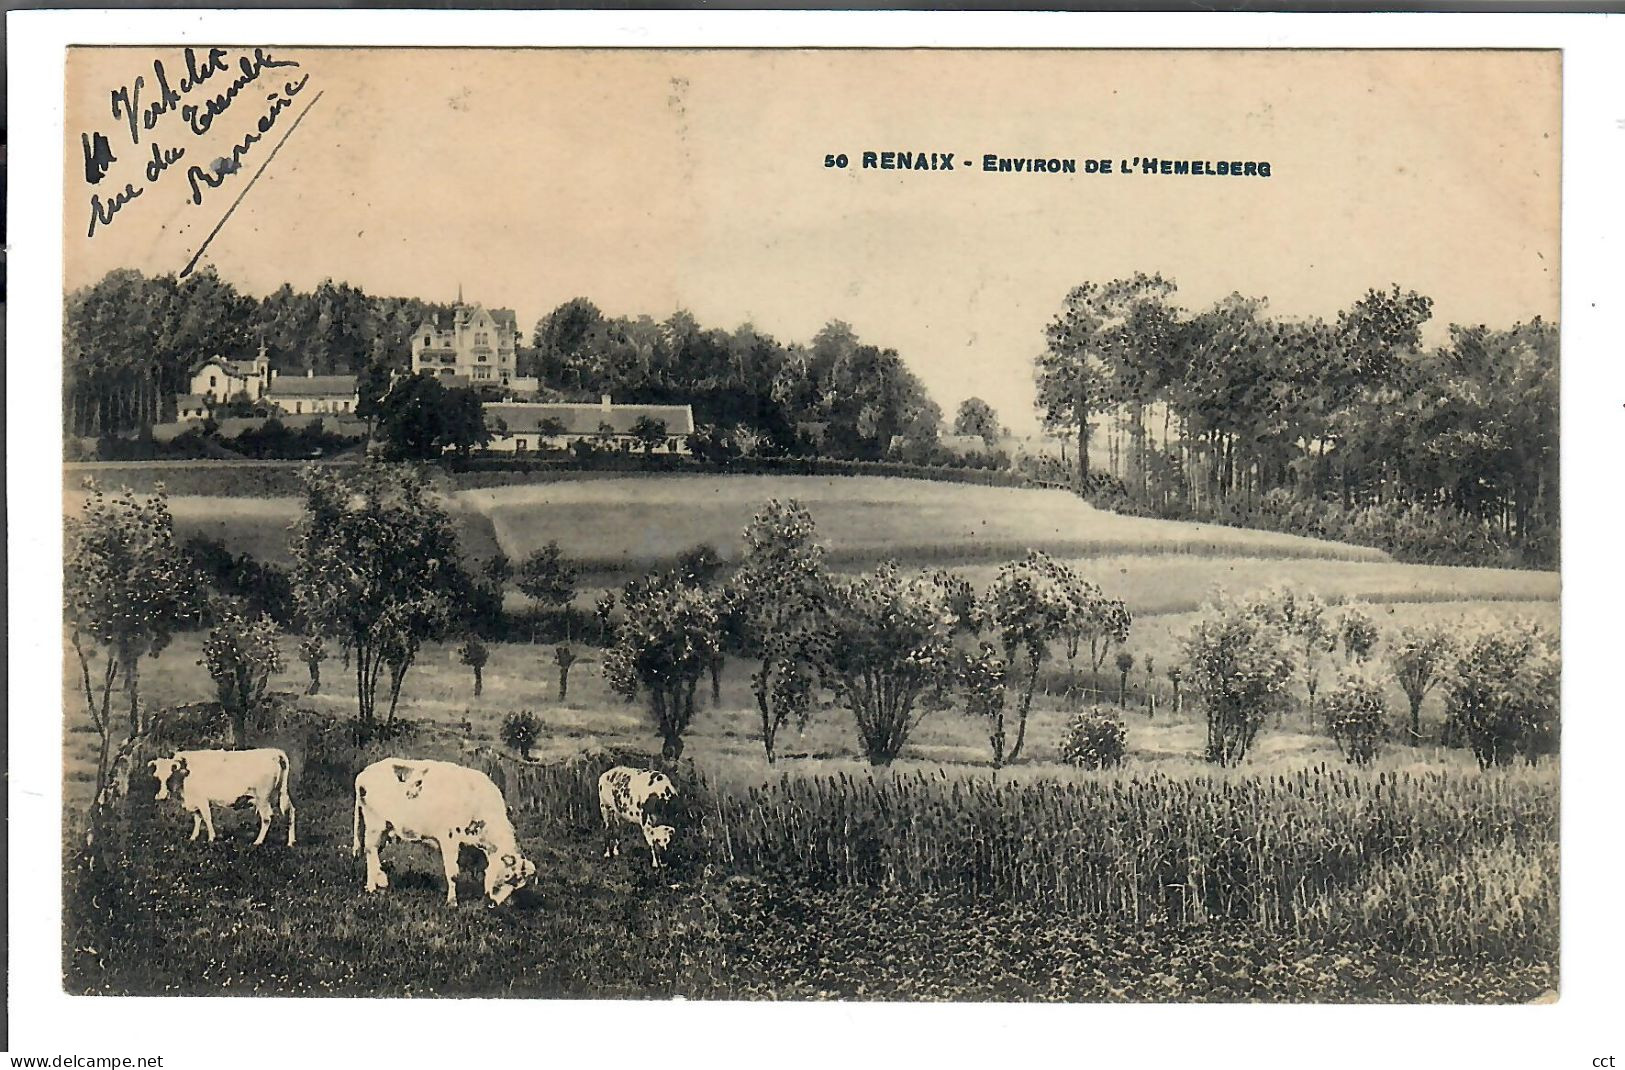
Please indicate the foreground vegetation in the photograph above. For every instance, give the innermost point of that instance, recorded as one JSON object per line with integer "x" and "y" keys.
{"x": 1361, "y": 847}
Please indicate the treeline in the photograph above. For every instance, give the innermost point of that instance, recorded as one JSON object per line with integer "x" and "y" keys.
{"x": 1232, "y": 414}
{"x": 836, "y": 396}
{"x": 131, "y": 342}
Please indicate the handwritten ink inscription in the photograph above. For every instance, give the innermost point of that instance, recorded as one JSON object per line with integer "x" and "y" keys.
{"x": 202, "y": 97}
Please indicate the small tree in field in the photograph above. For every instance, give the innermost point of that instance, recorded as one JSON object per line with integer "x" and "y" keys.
{"x": 548, "y": 578}
{"x": 1091, "y": 620}
{"x": 313, "y": 651}
{"x": 474, "y": 654}
{"x": 1303, "y": 617}
{"x": 1357, "y": 632}
{"x": 891, "y": 641}
{"x": 982, "y": 683}
{"x": 664, "y": 646}
{"x": 775, "y": 612}
{"x": 1420, "y": 658}
{"x": 1025, "y": 607}
{"x": 1239, "y": 663}
{"x": 1125, "y": 665}
{"x": 1176, "y": 676}
{"x": 1503, "y": 694}
{"x": 241, "y": 655}
{"x": 126, "y": 587}
{"x": 519, "y": 731}
{"x": 564, "y": 657}
{"x": 376, "y": 567}
{"x": 1357, "y": 717}
{"x": 603, "y": 611}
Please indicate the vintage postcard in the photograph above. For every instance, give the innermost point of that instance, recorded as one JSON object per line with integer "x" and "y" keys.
{"x": 997, "y": 525}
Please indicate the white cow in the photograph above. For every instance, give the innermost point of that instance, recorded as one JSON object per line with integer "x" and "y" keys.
{"x": 623, "y": 796}
{"x": 444, "y": 804}
{"x": 202, "y": 778}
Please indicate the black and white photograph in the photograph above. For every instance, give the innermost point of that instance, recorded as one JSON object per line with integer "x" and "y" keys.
{"x": 803, "y": 524}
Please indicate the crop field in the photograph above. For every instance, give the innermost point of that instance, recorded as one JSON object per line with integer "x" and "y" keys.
{"x": 1290, "y": 878}
{"x": 634, "y": 523}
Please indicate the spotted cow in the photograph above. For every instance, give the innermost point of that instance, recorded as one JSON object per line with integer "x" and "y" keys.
{"x": 203, "y": 779}
{"x": 443, "y": 804}
{"x": 624, "y": 795}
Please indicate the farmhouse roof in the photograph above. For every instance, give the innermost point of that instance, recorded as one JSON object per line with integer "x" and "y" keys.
{"x": 306, "y": 386}
{"x": 583, "y": 418}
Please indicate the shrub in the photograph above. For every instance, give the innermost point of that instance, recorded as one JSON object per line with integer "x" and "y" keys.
{"x": 241, "y": 655}
{"x": 1357, "y": 632}
{"x": 475, "y": 654}
{"x": 891, "y": 642}
{"x": 1503, "y": 696}
{"x": 1239, "y": 663}
{"x": 520, "y": 730}
{"x": 1357, "y": 717}
{"x": 1094, "y": 740}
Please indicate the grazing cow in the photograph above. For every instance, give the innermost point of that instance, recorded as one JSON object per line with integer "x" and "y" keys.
{"x": 202, "y": 778}
{"x": 623, "y": 795}
{"x": 444, "y": 804}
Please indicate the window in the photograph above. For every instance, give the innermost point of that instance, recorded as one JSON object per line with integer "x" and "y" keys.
{"x": 298, "y": 407}
{"x": 483, "y": 358}
{"x": 211, "y": 382}
{"x": 426, "y": 340}
{"x": 520, "y": 445}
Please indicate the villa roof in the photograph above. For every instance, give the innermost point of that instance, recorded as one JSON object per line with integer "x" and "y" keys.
{"x": 305, "y": 386}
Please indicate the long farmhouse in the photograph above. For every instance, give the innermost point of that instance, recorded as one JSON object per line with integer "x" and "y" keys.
{"x": 524, "y": 427}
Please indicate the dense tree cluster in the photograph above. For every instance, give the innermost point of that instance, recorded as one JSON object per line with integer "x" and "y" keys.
{"x": 1230, "y": 412}
{"x": 836, "y": 396}
{"x": 131, "y": 342}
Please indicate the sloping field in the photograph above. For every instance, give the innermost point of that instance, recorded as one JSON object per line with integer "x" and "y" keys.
{"x": 625, "y": 524}
{"x": 1166, "y": 583}
{"x": 262, "y": 526}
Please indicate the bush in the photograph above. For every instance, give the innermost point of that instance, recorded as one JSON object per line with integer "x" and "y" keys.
{"x": 1094, "y": 740}
{"x": 520, "y": 730}
{"x": 1239, "y": 663}
{"x": 1503, "y": 697}
{"x": 1357, "y": 717}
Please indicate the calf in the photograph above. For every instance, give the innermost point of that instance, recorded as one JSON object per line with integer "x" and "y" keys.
{"x": 623, "y": 795}
{"x": 202, "y": 778}
{"x": 445, "y": 805}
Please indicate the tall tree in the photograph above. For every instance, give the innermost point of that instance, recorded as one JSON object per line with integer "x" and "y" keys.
{"x": 1071, "y": 372}
{"x": 976, "y": 417}
{"x": 377, "y": 567}
{"x": 777, "y": 613}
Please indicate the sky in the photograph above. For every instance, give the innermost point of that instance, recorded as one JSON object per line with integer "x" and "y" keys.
{"x": 651, "y": 180}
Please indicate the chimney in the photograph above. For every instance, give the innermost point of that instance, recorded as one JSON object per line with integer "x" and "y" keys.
{"x": 603, "y": 403}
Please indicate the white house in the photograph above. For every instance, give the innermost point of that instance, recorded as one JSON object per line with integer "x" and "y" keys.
{"x": 518, "y": 427}
{"x": 219, "y": 379}
{"x": 478, "y": 344}
{"x": 298, "y": 395}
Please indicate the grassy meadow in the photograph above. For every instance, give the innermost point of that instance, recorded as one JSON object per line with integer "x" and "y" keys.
{"x": 1290, "y": 878}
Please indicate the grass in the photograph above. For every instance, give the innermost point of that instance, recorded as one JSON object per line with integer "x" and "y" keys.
{"x": 631, "y": 524}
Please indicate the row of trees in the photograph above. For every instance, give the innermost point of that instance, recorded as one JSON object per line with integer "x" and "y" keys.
{"x": 378, "y": 572}
{"x": 1222, "y": 406}
{"x": 130, "y": 343}
{"x": 1242, "y": 656}
{"x": 837, "y": 396}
